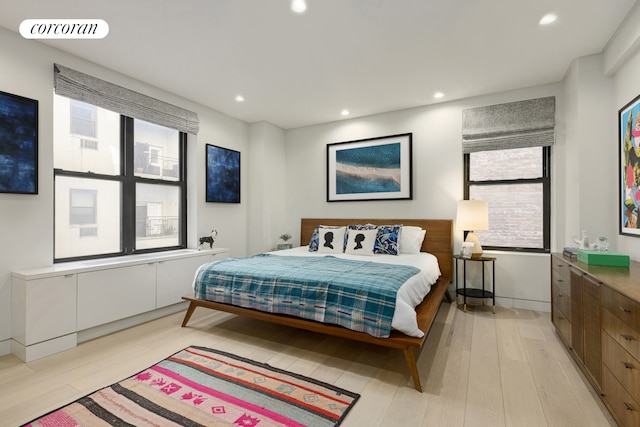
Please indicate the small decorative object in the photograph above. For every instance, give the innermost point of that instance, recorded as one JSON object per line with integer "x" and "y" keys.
{"x": 629, "y": 175}
{"x": 284, "y": 237}
{"x": 466, "y": 250}
{"x": 583, "y": 242}
{"x": 603, "y": 244}
{"x": 18, "y": 144}
{"x": 208, "y": 239}
{"x": 611, "y": 259}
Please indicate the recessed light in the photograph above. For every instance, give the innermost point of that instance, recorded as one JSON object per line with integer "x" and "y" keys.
{"x": 345, "y": 112}
{"x": 547, "y": 19}
{"x": 438, "y": 95}
{"x": 240, "y": 98}
{"x": 299, "y": 6}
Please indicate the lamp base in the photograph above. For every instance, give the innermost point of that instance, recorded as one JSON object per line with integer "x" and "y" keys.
{"x": 476, "y": 251}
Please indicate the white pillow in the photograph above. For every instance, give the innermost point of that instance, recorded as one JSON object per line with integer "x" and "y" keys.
{"x": 331, "y": 240}
{"x": 411, "y": 239}
{"x": 361, "y": 242}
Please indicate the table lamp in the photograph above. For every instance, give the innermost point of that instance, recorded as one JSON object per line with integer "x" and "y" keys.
{"x": 473, "y": 215}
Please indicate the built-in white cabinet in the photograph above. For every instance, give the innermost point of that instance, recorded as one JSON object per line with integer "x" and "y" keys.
{"x": 51, "y": 306}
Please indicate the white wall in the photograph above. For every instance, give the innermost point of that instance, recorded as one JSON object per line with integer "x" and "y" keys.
{"x": 26, "y": 221}
{"x": 522, "y": 280}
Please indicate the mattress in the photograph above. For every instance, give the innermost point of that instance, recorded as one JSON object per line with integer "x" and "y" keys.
{"x": 409, "y": 294}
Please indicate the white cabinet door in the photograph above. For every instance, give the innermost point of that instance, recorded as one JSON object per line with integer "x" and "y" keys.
{"x": 175, "y": 277}
{"x": 108, "y": 295}
{"x": 48, "y": 309}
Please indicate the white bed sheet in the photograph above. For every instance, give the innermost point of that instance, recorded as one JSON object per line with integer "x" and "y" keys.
{"x": 410, "y": 294}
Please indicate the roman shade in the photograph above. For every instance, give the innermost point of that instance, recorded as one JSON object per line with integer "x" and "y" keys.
{"x": 520, "y": 124}
{"x": 83, "y": 87}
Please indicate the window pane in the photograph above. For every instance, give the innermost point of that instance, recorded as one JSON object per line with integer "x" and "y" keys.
{"x": 157, "y": 216}
{"x": 515, "y": 215}
{"x": 156, "y": 151}
{"x": 518, "y": 163}
{"x": 87, "y": 220}
{"x": 86, "y": 138}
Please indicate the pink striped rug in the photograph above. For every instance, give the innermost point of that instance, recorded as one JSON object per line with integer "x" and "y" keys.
{"x": 199, "y": 386}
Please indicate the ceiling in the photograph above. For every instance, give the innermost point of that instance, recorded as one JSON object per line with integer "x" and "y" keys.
{"x": 367, "y": 56}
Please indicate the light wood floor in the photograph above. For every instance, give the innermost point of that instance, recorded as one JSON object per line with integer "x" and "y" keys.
{"x": 477, "y": 369}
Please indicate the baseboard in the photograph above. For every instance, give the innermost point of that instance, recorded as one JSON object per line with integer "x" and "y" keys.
{"x": 5, "y": 347}
{"x": 517, "y": 303}
{"x": 118, "y": 325}
{"x": 42, "y": 349}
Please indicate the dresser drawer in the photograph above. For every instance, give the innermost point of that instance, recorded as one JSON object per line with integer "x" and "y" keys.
{"x": 622, "y": 307}
{"x": 624, "y": 407}
{"x": 560, "y": 269}
{"x": 622, "y": 365}
{"x": 563, "y": 325}
{"x": 562, "y": 296}
{"x": 621, "y": 332}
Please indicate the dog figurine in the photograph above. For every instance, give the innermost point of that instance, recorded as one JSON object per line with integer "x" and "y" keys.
{"x": 208, "y": 239}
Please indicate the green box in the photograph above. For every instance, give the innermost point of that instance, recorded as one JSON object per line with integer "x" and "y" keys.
{"x": 612, "y": 259}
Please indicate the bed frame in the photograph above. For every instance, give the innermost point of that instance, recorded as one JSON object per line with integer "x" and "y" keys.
{"x": 438, "y": 241}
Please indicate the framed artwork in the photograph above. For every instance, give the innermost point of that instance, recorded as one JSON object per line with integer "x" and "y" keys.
{"x": 223, "y": 175}
{"x": 629, "y": 176}
{"x": 18, "y": 144}
{"x": 370, "y": 169}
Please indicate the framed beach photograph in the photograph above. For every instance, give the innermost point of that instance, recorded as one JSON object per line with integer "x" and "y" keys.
{"x": 223, "y": 175}
{"x": 18, "y": 144}
{"x": 629, "y": 158}
{"x": 370, "y": 169}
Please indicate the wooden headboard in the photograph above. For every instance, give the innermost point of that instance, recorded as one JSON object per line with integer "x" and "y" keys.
{"x": 438, "y": 240}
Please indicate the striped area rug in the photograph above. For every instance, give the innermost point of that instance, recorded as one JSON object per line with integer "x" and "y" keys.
{"x": 200, "y": 386}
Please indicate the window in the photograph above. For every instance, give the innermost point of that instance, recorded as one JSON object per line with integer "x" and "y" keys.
{"x": 507, "y": 154}
{"x": 125, "y": 195}
{"x": 515, "y": 184}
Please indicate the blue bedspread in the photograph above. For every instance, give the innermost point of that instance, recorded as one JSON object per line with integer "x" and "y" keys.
{"x": 358, "y": 295}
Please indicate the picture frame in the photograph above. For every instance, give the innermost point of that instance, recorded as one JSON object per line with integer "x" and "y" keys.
{"x": 18, "y": 144}
{"x": 466, "y": 250}
{"x": 629, "y": 172}
{"x": 223, "y": 175}
{"x": 370, "y": 169}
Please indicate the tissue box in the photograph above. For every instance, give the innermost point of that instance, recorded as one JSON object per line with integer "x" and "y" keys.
{"x": 612, "y": 259}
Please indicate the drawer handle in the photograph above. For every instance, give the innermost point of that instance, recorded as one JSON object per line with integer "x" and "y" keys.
{"x": 625, "y": 309}
{"x": 626, "y": 337}
{"x": 627, "y": 365}
{"x": 628, "y": 407}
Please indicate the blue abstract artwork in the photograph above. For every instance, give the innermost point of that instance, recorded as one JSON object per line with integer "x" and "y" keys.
{"x": 370, "y": 169}
{"x": 18, "y": 144}
{"x": 223, "y": 175}
{"x": 373, "y": 169}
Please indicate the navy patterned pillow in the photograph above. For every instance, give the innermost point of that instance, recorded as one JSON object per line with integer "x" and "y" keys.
{"x": 387, "y": 239}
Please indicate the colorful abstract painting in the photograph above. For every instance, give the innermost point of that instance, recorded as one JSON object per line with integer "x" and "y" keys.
{"x": 629, "y": 128}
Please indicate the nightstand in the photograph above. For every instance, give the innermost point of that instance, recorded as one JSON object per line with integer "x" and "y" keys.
{"x": 473, "y": 292}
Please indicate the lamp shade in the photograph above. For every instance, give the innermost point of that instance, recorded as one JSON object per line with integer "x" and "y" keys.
{"x": 472, "y": 215}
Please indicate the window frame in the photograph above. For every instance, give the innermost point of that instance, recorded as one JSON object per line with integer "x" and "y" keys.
{"x": 128, "y": 180}
{"x": 545, "y": 180}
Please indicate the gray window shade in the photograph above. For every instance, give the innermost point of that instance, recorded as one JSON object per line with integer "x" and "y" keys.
{"x": 519, "y": 124}
{"x": 83, "y": 87}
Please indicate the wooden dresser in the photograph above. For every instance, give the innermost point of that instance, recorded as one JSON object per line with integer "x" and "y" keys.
{"x": 596, "y": 312}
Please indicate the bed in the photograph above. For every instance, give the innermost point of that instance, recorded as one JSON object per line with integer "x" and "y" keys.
{"x": 438, "y": 242}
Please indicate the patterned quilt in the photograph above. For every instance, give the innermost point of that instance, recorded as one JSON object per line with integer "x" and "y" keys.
{"x": 358, "y": 295}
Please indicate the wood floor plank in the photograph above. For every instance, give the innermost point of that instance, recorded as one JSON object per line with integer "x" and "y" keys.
{"x": 476, "y": 368}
